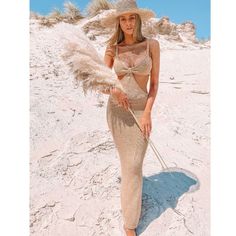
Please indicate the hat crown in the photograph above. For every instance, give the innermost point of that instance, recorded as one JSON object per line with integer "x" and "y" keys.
{"x": 126, "y": 5}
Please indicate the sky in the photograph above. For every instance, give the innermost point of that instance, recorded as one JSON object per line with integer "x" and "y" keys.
{"x": 178, "y": 11}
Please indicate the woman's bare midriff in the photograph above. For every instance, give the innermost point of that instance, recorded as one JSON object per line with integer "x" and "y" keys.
{"x": 140, "y": 79}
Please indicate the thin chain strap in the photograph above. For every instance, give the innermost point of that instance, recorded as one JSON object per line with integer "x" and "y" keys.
{"x": 116, "y": 50}
{"x": 147, "y": 47}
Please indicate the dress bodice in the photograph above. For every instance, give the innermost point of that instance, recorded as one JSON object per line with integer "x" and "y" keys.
{"x": 132, "y": 61}
{"x": 141, "y": 64}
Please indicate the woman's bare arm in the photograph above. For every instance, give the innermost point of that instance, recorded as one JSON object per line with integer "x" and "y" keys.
{"x": 154, "y": 79}
{"x": 108, "y": 60}
{"x": 109, "y": 56}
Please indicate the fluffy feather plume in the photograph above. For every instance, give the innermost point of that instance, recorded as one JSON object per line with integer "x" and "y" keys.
{"x": 87, "y": 66}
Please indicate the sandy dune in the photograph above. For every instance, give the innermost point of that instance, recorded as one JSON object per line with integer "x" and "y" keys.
{"x": 75, "y": 173}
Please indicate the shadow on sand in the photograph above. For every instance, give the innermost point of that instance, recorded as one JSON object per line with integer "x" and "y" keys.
{"x": 162, "y": 191}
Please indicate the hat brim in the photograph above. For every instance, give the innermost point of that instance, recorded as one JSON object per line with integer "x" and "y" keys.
{"x": 110, "y": 19}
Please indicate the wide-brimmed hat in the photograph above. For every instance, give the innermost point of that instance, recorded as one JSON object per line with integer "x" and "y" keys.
{"x": 126, "y": 6}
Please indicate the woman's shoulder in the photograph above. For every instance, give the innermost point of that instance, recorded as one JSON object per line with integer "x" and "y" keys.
{"x": 110, "y": 50}
{"x": 154, "y": 46}
{"x": 153, "y": 42}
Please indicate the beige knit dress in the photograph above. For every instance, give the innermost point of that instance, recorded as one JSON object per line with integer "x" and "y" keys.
{"x": 128, "y": 139}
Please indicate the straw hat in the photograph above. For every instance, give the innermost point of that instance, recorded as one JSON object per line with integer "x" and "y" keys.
{"x": 126, "y": 6}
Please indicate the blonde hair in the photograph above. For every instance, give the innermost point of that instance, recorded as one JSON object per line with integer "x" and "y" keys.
{"x": 118, "y": 35}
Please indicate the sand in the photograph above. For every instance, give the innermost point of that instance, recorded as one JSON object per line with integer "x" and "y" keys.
{"x": 74, "y": 166}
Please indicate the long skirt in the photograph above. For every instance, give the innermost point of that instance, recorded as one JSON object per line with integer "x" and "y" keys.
{"x": 131, "y": 146}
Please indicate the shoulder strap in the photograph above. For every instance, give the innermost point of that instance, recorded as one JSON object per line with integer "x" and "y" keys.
{"x": 116, "y": 50}
{"x": 147, "y": 46}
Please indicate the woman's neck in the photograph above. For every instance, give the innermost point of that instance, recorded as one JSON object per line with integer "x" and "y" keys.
{"x": 129, "y": 40}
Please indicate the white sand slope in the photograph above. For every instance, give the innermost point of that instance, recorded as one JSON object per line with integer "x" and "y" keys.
{"x": 75, "y": 172}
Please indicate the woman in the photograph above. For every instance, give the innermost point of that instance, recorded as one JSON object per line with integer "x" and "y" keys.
{"x": 135, "y": 60}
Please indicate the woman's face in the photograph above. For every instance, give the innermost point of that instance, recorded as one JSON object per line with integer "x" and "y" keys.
{"x": 127, "y": 22}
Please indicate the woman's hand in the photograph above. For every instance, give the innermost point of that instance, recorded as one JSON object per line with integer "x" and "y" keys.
{"x": 146, "y": 124}
{"x": 121, "y": 97}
